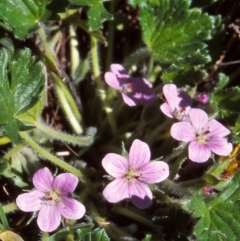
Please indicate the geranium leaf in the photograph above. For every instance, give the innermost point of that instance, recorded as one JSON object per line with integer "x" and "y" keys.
{"x": 220, "y": 219}
{"x": 176, "y": 34}
{"x": 22, "y": 81}
{"x": 22, "y": 16}
{"x": 86, "y": 234}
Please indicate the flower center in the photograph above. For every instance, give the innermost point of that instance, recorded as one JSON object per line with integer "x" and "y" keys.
{"x": 51, "y": 198}
{"x": 203, "y": 137}
{"x": 127, "y": 88}
{"x": 180, "y": 114}
{"x": 132, "y": 175}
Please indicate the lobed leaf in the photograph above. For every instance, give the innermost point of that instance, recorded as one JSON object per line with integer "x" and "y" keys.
{"x": 21, "y": 84}
{"x": 219, "y": 214}
{"x": 22, "y": 16}
{"x": 176, "y": 34}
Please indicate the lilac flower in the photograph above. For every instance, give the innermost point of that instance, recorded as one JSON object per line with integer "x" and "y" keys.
{"x": 178, "y": 102}
{"x": 52, "y": 199}
{"x": 205, "y": 136}
{"x": 203, "y": 99}
{"x": 133, "y": 174}
{"x": 134, "y": 90}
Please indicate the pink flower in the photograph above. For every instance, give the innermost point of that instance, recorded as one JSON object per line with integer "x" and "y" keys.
{"x": 203, "y": 99}
{"x": 205, "y": 136}
{"x": 52, "y": 199}
{"x": 134, "y": 90}
{"x": 178, "y": 102}
{"x": 133, "y": 174}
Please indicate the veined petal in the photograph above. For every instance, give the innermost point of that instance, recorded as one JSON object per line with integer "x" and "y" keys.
{"x": 71, "y": 208}
{"x": 65, "y": 183}
{"x": 154, "y": 172}
{"x": 165, "y": 108}
{"x": 128, "y": 100}
{"x": 30, "y": 202}
{"x": 115, "y": 165}
{"x": 119, "y": 70}
{"x": 171, "y": 94}
{"x": 139, "y": 154}
{"x": 112, "y": 80}
{"x": 198, "y": 117}
{"x": 219, "y": 146}
{"x": 198, "y": 153}
{"x": 49, "y": 218}
{"x": 183, "y": 131}
{"x": 42, "y": 179}
{"x": 116, "y": 191}
{"x": 217, "y": 129}
{"x": 140, "y": 194}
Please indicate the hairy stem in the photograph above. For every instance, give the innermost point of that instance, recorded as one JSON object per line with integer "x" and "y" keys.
{"x": 12, "y": 151}
{"x": 102, "y": 92}
{"x": 51, "y": 157}
{"x": 135, "y": 216}
{"x": 68, "y": 104}
{"x": 9, "y": 207}
{"x": 77, "y": 140}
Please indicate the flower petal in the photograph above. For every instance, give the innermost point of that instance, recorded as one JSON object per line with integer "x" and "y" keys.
{"x": 119, "y": 70}
{"x": 139, "y": 154}
{"x": 171, "y": 94}
{"x": 154, "y": 172}
{"x": 198, "y": 153}
{"x": 71, "y": 208}
{"x": 165, "y": 108}
{"x": 128, "y": 100}
{"x": 116, "y": 191}
{"x": 30, "y": 202}
{"x": 42, "y": 179}
{"x": 219, "y": 145}
{"x": 184, "y": 101}
{"x": 115, "y": 165}
{"x": 217, "y": 129}
{"x": 112, "y": 80}
{"x": 65, "y": 183}
{"x": 140, "y": 194}
{"x": 183, "y": 131}
{"x": 49, "y": 218}
{"x": 198, "y": 117}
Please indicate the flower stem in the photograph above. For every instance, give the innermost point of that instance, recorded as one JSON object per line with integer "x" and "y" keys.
{"x": 114, "y": 232}
{"x": 135, "y": 216}
{"x": 177, "y": 165}
{"x": 68, "y": 103}
{"x": 77, "y": 140}
{"x": 171, "y": 187}
{"x": 156, "y": 133}
{"x": 13, "y": 151}
{"x": 51, "y": 157}
{"x": 111, "y": 25}
{"x": 102, "y": 92}
{"x": 44, "y": 236}
{"x": 9, "y": 207}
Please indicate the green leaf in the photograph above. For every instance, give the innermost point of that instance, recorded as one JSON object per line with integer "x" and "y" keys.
{"x": 3, "y": 218}
{"x": 21, "y": 84}
{"x": 223, "y": 81}
{"x": 85, "y": 234}
{"x": 176, "y": 34}
{"x": 220, "y": 218}
{"x": 23, "y": 16}
{"x": 97, "y": 14}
